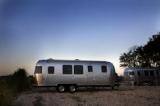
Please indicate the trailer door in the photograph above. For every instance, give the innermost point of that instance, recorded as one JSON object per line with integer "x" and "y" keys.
{"x": 90, "y": 75}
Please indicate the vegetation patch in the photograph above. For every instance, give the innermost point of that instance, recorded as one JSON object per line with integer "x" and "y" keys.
{"x": 12, "y": 85}
{"x": 147, "y": 55}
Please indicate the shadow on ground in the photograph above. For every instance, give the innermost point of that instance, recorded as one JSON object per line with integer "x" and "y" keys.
{"x": 84, "y": 89}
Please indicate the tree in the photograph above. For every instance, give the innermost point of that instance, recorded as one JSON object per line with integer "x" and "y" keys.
{"x": 152, "y": 48}
{"x": 129, "y": 59}
{"x": 143, "y": 56}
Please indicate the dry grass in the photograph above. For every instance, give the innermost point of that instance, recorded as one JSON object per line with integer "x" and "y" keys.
{"x": 124, "y": 96}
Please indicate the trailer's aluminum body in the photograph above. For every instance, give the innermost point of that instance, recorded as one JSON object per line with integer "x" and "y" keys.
{"x": 142, "y": 76}
{"x": 96, "y": 77}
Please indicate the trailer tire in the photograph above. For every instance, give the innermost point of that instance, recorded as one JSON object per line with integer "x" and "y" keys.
{"x": 61, "y": 88}
{"x": 72, "y": 88}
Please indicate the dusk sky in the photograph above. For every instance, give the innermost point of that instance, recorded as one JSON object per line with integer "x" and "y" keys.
{"x": 73, "y": 29}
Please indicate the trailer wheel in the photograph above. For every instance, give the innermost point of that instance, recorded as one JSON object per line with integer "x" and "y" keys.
{"x": 72, "y": 88}
{"x": 61, "y": 88}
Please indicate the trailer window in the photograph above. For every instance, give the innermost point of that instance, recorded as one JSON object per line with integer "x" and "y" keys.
{"x": 50, "y": 70}
{"x": 151, "y": 73}
{"x": 78, "y": 69}
{"x": 90, "y": 69}
{"x": 104, "y": 68}
{"x": 67, "y": 69}
{"x": 157, "y": 72}
{"x": 146, "y": 73}
{"x": 38, "y": 69}
{"x": 139, "y": 74}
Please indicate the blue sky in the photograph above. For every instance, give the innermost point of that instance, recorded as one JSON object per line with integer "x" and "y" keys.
{"x": 69, "y": 29}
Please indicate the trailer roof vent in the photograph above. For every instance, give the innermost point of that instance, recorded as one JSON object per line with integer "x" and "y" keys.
{"x": 76, "y": 59}
{"x": 50, "y": 59}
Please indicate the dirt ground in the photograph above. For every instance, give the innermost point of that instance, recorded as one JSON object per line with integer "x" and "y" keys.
{"x": 124, "y": 96}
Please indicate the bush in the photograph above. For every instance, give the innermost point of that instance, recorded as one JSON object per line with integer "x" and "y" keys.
{"x": 6, "y": 94}
{"x": 20, "y": 81}
{"x": 32, "y": 80}
{"x": 12, "y": 85}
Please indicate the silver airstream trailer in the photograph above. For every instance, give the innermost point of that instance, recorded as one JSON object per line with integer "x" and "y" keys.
{"x": 141, "y": 76}
{"x": 71, "y": 74}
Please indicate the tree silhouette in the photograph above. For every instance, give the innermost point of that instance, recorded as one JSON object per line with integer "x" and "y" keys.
{"x": 20, "y": 80}
{"x": 143, "y": 56}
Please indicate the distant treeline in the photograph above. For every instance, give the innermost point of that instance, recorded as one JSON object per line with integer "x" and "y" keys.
{"x": 146, "y": 56}
{"x": 13, "y": 84}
